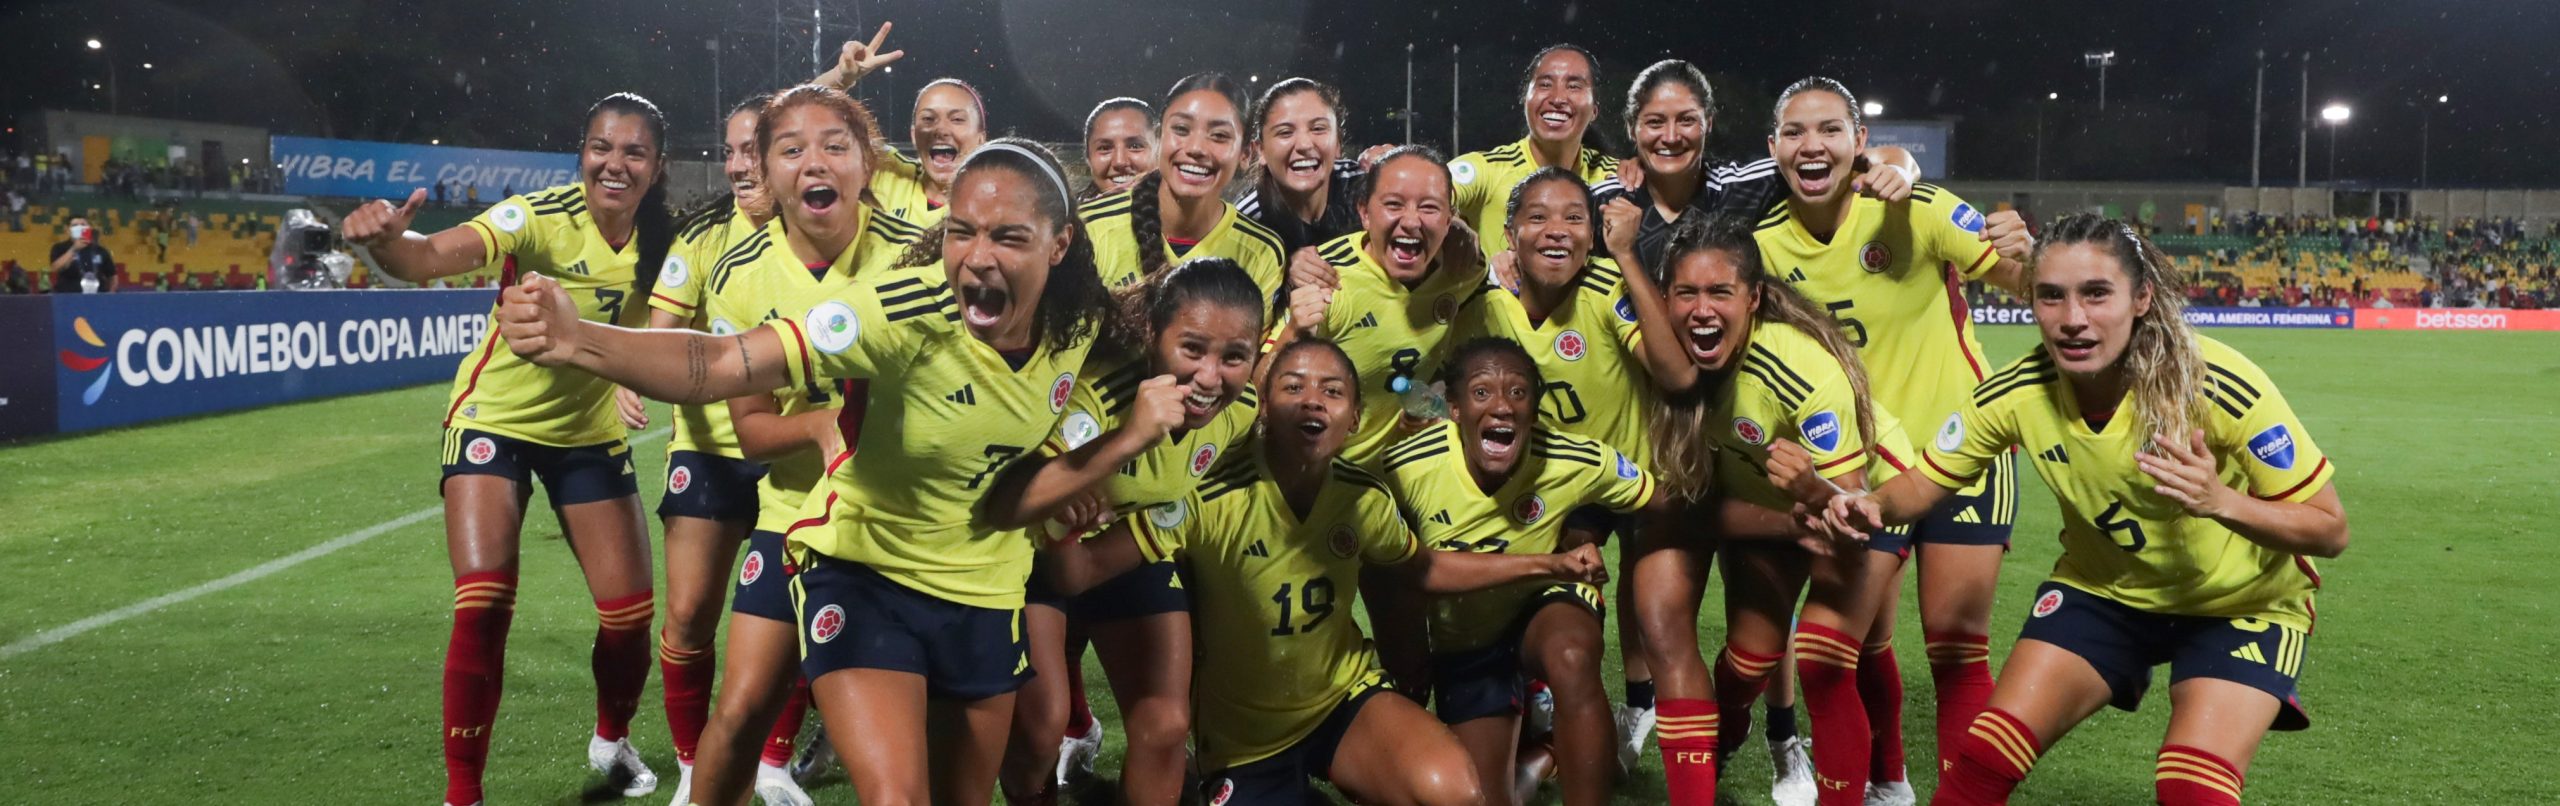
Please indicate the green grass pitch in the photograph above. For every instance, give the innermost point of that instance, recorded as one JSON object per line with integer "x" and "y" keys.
{"x": 2430, "y": 678}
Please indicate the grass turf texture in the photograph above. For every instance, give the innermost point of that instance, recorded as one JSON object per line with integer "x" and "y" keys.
{"x": 2426, "y": 680}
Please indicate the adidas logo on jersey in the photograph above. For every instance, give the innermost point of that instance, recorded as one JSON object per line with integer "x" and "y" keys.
{"x": 2250, "y": 653}
{"x": 2056, "y": 455}
{"x": 1256, "y": 550}
{"x": 1968, "y": 516}
{"x": 1366, "y": 320}
{"x": 967, "y": 396}
{"x": 1795, "y": 275}
{"x": 1441, "y": 517}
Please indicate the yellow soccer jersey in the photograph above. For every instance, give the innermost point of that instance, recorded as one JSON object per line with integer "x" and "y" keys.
{"x": 1884, "y": 276}
{"x": 1586, "y": 349}
{"x": 1483, "y": 182}
{"x": 2120, "y": 539}
{"x": 945, "y": 413}
{"x": 1107, "y": 221}
{"x": 1787, "y": 387}
{"x": 759, "y": 280}
{"x": 699, "y": 245}
{"x": 898, "y": 188}
{"x": 1273, "y": 596}
{"x": 1559, "y": 474}
{"x": 549, "y": 233}
{"x": 1389, "y": 331}
{"x": 1167, "y": 472}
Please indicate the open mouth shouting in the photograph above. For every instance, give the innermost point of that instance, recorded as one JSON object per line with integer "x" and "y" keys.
{"x": 1499, "y": 445}
{"x": 819, "y": 199}
{"x": 942, "y": 157}
{"x": 1813, "y": 177}
{"x": 2074, "y": 349}
{"x": 1406, "y": 252}
{"x": 1706, "y": 344}
{"x": 982, "y": 305}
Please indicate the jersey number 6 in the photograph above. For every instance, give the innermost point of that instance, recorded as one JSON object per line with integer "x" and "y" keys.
{"x": 2126, "y": 532}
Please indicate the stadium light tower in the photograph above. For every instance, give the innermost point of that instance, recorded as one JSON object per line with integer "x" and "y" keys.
{"x": 2101, "y": 59}
{"x": 2335, "y": 114}
{"x": 2049, "y": 98}
{"x": 2426, "y": 127}
{"x": 100, "y": 48}
{"x": 1872, "y": 108}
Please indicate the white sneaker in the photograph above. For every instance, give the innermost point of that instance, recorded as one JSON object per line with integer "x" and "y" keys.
{"x": 1891, "y": 793}
{"x": 684, "y": 785}
{"x": 1635, "y": 730}
{"x": 621, "y": 765}
{"x": 775, "y": 788}
{"x": 1794, "y": 773}
{"x": 1076, "y": 755}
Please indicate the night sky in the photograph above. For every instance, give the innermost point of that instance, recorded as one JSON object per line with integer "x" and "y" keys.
{"x": 517, "y": 74}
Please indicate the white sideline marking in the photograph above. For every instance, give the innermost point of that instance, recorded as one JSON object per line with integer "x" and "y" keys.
{"x": 254, "y": 573}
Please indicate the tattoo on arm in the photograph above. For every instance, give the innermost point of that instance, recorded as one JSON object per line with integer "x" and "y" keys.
{"x": 746, "y": 360}
{"x": 697, "y": 366}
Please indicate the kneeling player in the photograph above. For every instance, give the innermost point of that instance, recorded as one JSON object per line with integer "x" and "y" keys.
{"x": 2193, "y": 500}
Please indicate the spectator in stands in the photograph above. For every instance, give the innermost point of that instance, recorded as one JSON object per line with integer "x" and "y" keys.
{"x": 80, "y": 264}
{"x": 17, "y": 209}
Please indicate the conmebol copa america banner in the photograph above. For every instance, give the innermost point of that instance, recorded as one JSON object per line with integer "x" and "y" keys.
{"x": 314, "y": 166}
{"x": 128, "y": 358}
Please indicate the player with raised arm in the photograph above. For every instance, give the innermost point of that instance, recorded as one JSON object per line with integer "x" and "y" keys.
{"x": 2193, "y": 502}
{"x": 1276, "y": 539}
{"x": 602, "y": 242}
{"x": 1177, "y": 212}
{"x": 909, "y": 597}
{"x": 1491, "y": 479}
{"x": 1199, "y": 322}
{"x": 1891, "y": 273}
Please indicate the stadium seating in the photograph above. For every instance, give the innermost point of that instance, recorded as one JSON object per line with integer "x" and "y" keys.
{"x": 231, "y": 246}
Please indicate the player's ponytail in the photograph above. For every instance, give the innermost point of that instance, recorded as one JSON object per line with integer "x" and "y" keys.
{"x": 1146, "y": 221}
{"x": 2161, "y": 360}
{"x": 654, "y": 223}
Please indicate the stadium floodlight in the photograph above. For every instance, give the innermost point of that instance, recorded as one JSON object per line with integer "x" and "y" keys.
{"x": 2443, "y": 98}
{"x": 146, "y": 65}
{"x": 2100, "y": 59}
{"x": 95, "y": 44}
{"x": 2053, "y": 96}
{"x": 1872, "y": 108}
{"x": 2335, "y": 113}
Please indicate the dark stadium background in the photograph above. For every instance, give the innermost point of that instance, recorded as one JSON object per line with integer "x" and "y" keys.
{"x": 514, "y": 74}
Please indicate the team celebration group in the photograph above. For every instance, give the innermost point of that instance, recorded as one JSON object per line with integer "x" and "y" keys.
{"x": 970, "y": 420}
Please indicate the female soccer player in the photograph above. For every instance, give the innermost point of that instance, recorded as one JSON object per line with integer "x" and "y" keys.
{"x": 1301, "y": 185}
{"x": 1494, "y": 480}
{"x": 1119, "y": 146}
{"x": 1176, "y": 212}
{"x": 820, "y": 245}
{"x": 1288, "y": 692}
{"x": 1556, "y": 96}
{"x": 909, "y": 601}
{"x": 1880, "y": 270}
{"x": 1199, "y": 322}
{"x": 1747, "y": 363}
{"x": 2193, "y": 501}
{"x": 509, "y": 421}
{"x": 949, "y": 122}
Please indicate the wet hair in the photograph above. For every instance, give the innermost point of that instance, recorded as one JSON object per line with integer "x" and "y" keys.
{"x": 866, "y": 130}
{"x": 1146, "y": 214}
{"x": 975, "y": 99}
{"x": 1682, "y": 455}
{"x": 1778, "y": 113}
{"x": 1074, "y": 302}
{"x": 1511, "y": 206}
{"x": 1093, "y": 184}
{"x": 1369, "y": 181}
{"x": 1350, "y": 371}
{"x": 1490, "y": 348}
{"x": 654, "y": 223}
{"x": 1668, "y": 71}
{"x": 1260, "y": 174}
{"x": 1144, "y": 310}
{"x": 751, "y": 103}
{"x": 2161, "y": 360}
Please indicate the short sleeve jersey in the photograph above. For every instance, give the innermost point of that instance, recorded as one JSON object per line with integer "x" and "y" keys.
{"x": 1596, "y": 384}
{"x": 1390, "y": 332}
{"x": 699, "y": 245}
{"x": 2120, "y": 539}
{"x": 1786, "y": 386}
{"x": 1559, "y": 473}
{"x": 1483, "y": 182}
{"x": 898, "y": 186}
{"x": 944, "y": 414}
{"x": 1166, "y": 473}
{"x": 1891, "y": 275}
{"x": 1108, "y": 221}
{"x": 549, "y": 233}
{"x": 1272, "y": 594}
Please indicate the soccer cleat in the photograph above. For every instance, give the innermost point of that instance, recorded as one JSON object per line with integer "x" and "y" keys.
{"x": 814, "y": 754}
{"x": 775, "y": 788}
{"x": 1538, "y": 717}
{"x": 684, "y": 785}
{"x": 1635, "y": 733}
{"x": 1793, "y": 784}
{"x": 621, "y": 766}
{"x": 1076, "y": 755}
{"x": 1891, "y": 793}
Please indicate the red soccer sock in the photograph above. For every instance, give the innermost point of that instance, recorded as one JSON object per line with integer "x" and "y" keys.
{"x": 1960, "y": 665}
{"x": 1686, "y": 732}
{"x": 1079, "y": 709}
{"x": 1740, "y": 678}
{"x": 1995, "y": 754}
{"x": 2186, "y": 776}
{"x": 1827, "y": 667}
{"x": 687, "y": 676}
{"x": 475, "y": 659}
{"x": 1880, "y": 688}
{"x": 786, "y": 725}
{"x": 620, "y": 661}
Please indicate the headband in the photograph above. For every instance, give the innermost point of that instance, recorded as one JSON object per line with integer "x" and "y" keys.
{"x": 1045, "y": 170}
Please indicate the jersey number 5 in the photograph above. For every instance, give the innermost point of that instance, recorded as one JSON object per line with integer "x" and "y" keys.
{"x": 2126, "y": 532}
{"x": 1857, "y": 330}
